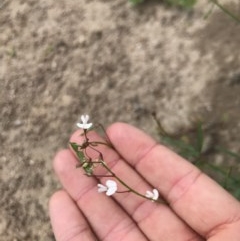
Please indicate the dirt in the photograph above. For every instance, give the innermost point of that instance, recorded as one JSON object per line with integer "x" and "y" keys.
{"x": 116, "y": 62}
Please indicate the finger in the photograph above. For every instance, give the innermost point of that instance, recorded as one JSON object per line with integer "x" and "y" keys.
{"x": 107, "y": 219}
{"x": 148, "y": 216}
{"x": 67, "y": 221}
{"x": 196, "y": 198}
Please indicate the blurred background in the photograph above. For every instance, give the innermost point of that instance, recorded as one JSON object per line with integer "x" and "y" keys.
{"x": 115, "y": 62}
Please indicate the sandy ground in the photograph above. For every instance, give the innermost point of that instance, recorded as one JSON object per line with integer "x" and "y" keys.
{"x": 60, "y": 59}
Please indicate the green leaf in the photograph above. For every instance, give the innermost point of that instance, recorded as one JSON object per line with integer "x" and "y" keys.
{"x": 79, "y": 153}
{"x": 88, "y": 168}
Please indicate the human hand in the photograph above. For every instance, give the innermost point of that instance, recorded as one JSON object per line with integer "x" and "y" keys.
{"x": 198, "y": 208}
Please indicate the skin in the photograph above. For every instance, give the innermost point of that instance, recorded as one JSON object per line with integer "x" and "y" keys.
{"x": 198, "y": 208}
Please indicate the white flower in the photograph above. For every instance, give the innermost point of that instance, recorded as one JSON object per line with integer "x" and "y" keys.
{"x": 110, "y": 188}
{"x": 84, "y": 124}
{"x": 153, "y": 195}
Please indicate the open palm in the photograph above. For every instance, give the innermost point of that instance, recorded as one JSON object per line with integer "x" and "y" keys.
{"x": 199, "y": 209}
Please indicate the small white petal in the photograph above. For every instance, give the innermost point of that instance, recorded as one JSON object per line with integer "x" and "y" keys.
{"x": 155, "y": 194}
{"x": 111, "y": 191}
{"x": 84, "y": 118}
{"x": 102, "y": 188}
{"x": 80, "y": 125}
{"x": 149, "y": 194}
{"x": 112, "y": 187}
{"x": 111, "y": 183}
{"x": 84, "y": 124}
